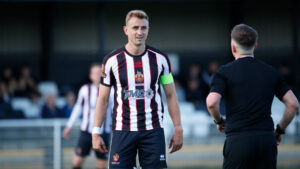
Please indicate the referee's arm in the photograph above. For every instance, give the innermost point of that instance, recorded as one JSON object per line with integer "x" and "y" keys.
{"x": 291, "y": 108}
{"x": 213, "y": 105}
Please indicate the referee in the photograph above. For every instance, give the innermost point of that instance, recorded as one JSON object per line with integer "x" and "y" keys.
{"x": 248, "y": 85}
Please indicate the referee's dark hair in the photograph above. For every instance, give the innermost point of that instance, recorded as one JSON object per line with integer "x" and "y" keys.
{"x": 244, "y": 35}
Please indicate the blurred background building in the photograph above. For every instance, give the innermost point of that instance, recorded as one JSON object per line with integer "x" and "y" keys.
{"x": 47, "y": 46}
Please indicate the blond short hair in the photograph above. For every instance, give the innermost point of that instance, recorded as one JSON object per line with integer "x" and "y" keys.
{"x": 136, "y": 13}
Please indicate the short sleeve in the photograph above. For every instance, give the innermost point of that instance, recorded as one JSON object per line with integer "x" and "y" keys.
{"x": 281, "y": 87}
{"x": 218, "y": 82}
{"x": 107, "y": 77}
{"x": 166, "y": 65}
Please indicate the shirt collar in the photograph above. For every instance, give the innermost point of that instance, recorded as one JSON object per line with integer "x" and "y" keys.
{"x": 251, "y": 56}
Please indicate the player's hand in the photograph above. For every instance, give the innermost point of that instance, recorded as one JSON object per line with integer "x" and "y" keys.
{"x": 98, "y": 143}
{"x": 278, "y": 132}
{"x": 278, "y": 138}
{"x": 66, "y": 132}
{"x": 176, "y": 140}
{"x": 221, "y": 127}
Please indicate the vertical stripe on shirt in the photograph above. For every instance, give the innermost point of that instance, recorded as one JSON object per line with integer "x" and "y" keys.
{"x": 89, "y": 107}
{"x": 157, "y": 92}
{"x": 119, "y": 94}
{"x": 123, "y": 75}
{"x": 153, "y": 70}
{"x": 139, "y": 83}
{"x": 132, "y": 103}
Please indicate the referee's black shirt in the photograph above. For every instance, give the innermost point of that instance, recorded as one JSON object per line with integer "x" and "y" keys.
{"x": 248, "y": 86}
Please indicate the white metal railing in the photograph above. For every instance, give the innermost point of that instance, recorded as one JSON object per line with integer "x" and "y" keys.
{"x": 57, "y": 124}
{"x": 196, "y": 124}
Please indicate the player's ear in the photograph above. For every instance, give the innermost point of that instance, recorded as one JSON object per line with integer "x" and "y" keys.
{"x": 233, "y": 47}
{"x": 90, "y": 76}
{"x": 255, "y": 45}
{"x": 125, "y": 29}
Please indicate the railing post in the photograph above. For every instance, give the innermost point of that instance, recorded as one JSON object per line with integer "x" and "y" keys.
{"x": 57, "y": 145}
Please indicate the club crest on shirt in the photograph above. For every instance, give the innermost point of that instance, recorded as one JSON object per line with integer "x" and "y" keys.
{"x": 103, "y": 74}
{"x": 139, "y": 77}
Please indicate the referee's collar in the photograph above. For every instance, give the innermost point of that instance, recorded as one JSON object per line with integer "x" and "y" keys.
{"x": 247, "y": 56}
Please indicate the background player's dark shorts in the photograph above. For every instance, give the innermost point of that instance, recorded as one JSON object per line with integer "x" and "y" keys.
{"x": 150, "y": 145}
{"x": 84, "y": 145}
{"x": 250, "y": 150}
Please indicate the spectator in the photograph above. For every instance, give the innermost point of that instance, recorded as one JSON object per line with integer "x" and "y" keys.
{"x": 286, "y": 72}
{"x": 212, "y": 67}
{"x": 9, "y": 79}
{"x": 194, "y": 71}
{"x": 206, "y": 76}
{"x": 5, "y": 98}
{"x": 6, "y": 110}
{"x": 26, "y": 84}
{"x": 50, "y": 110}
{"x": 193, "y": 94}
{"x": 36, "y": 104}
{"x": 67, "y": 109}
{"x": 179, "y": 90}
{"x": 195, "y": 87}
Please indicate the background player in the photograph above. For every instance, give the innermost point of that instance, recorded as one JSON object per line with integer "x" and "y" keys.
{"x": 86, "y": 103}
{"x": 136, "y": 71}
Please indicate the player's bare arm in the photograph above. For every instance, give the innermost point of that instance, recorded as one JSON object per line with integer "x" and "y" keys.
{"x": 77, "y": 110}
{"x": 176, "y": 141}
{"x": 66, "y": 132}
{"x": 100, "y": 112}
{"x": 213, "y": 105}
{"x": 291, "y": 108}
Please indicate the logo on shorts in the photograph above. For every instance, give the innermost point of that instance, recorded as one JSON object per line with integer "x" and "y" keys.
{"x": 103, "y": 74}
{"x": 162, "y": 157}
{"x": 115, "y": 159}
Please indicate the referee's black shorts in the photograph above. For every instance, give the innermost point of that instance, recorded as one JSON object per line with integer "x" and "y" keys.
{"x": 250, "y": 150}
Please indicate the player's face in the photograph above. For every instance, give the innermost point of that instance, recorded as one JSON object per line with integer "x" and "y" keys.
{"x": 95, "y": 74}
{"x": 137, "y": 31}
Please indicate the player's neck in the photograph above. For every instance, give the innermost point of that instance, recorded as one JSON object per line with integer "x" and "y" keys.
{"x": 135, "y": 50}
{"x": 95, "y": 84}
{"x": 237, "y": 56}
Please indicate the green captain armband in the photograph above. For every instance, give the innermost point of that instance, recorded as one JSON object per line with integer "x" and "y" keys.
{"x": 166, "y": 79}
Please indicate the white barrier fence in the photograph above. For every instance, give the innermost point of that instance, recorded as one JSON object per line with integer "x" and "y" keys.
{"x": 47, "y": 134}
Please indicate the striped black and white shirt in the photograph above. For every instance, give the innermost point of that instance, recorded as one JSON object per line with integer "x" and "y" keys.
{"x": 86, "y": 104}
{"x": 137, "y": 100}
